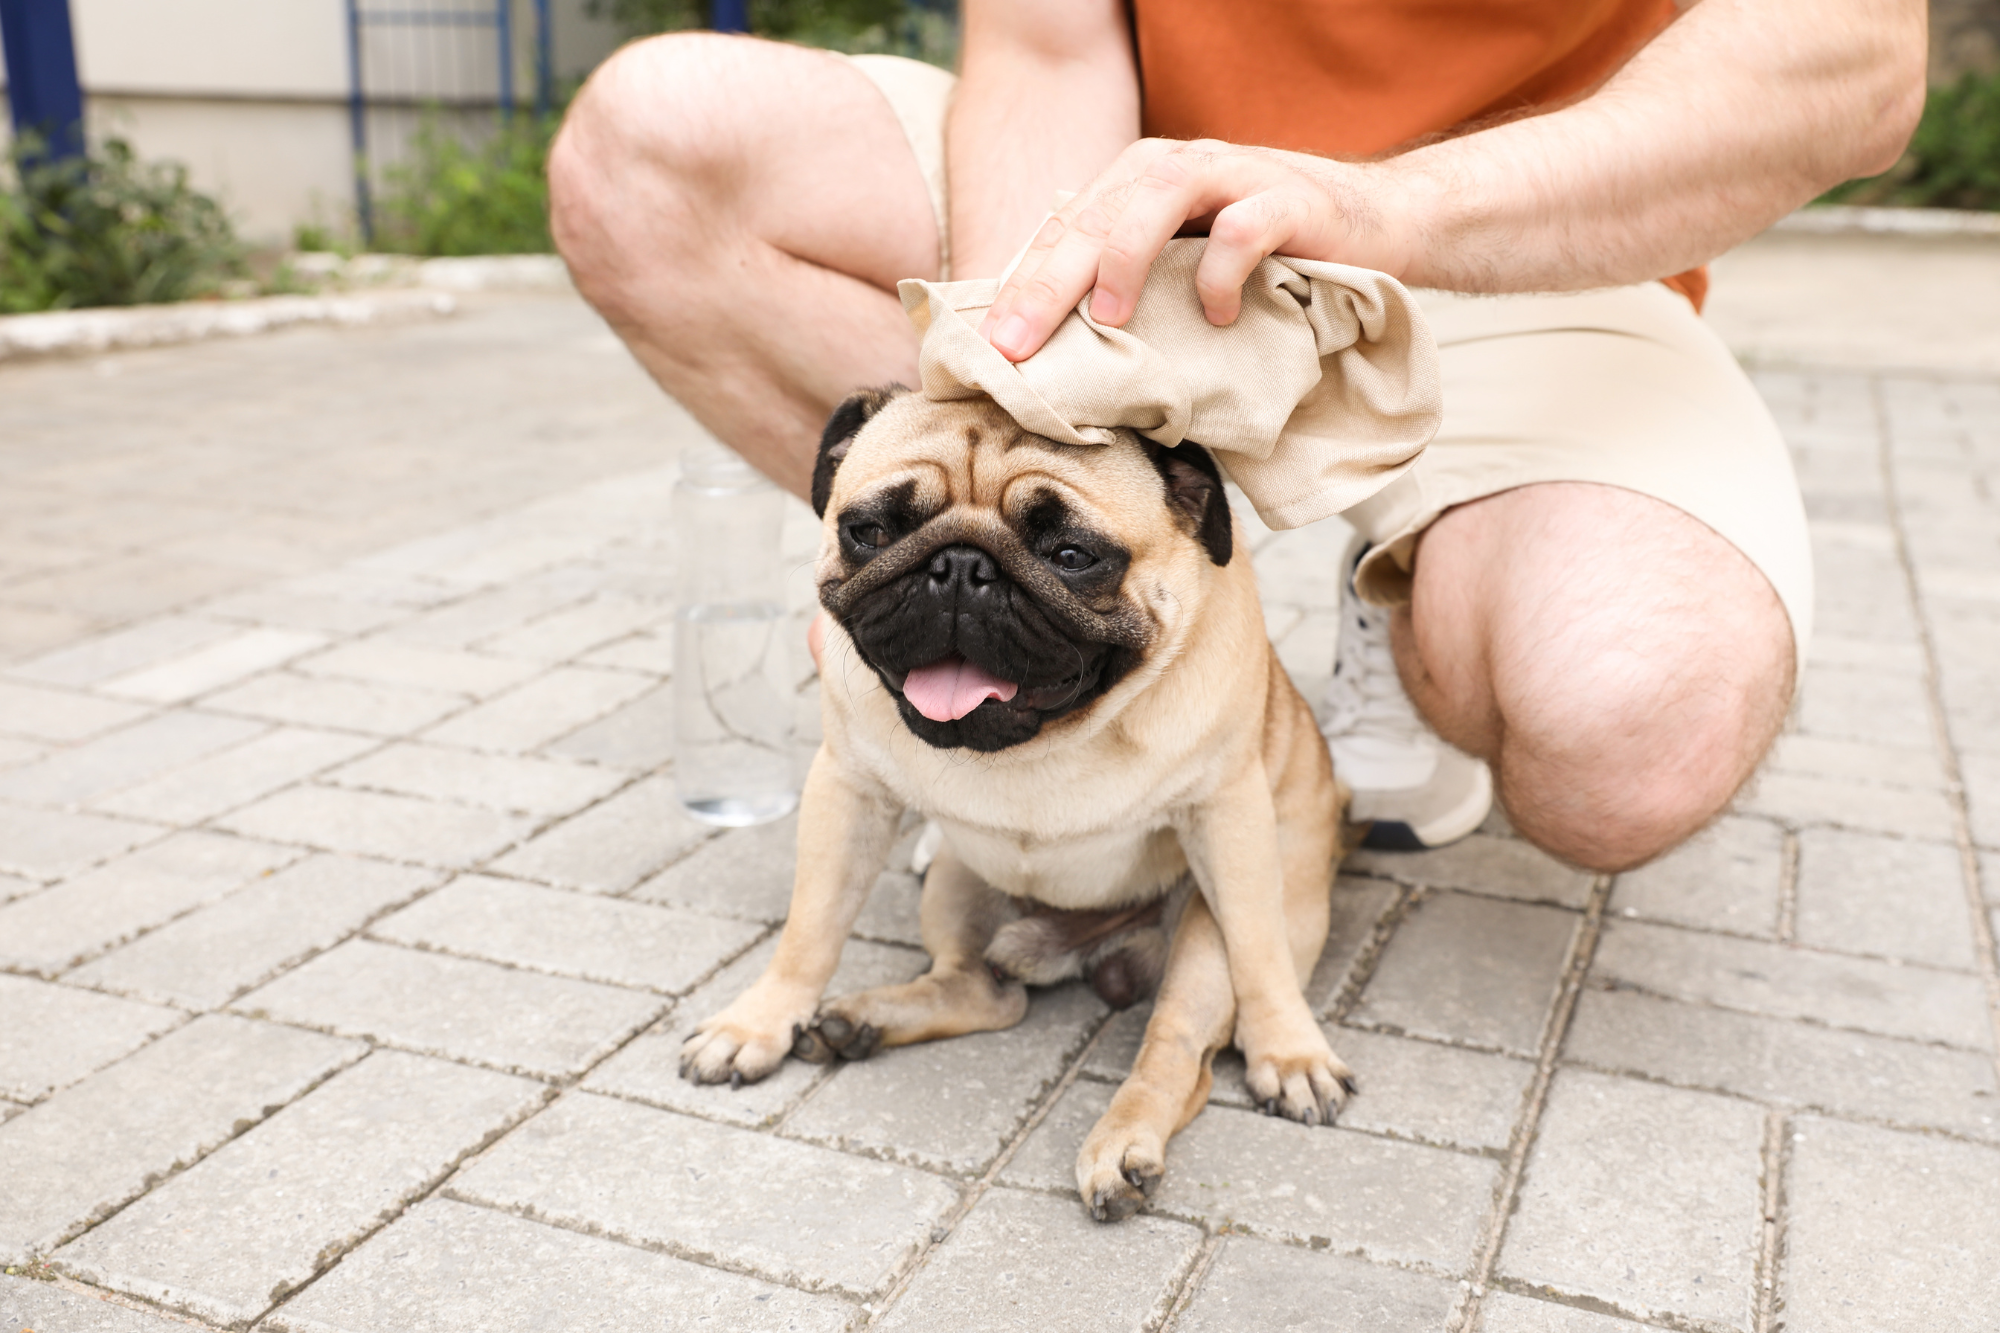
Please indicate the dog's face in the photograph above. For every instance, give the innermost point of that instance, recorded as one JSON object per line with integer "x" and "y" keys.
{"x": 998, "y": 581}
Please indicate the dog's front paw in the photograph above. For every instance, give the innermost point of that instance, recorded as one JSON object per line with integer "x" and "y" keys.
{"x": 1119, "y": 1168}
{"x": 1301, "y": 1080}
{"x": 743, "y": 1043}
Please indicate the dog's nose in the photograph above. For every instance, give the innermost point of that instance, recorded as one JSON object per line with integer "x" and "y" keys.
{"x": 966, "y": 566}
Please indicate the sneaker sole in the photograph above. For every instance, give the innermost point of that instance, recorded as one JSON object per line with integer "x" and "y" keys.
{"x": 1393, "y": 835}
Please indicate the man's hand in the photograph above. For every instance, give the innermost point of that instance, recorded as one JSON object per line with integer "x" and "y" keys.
{"x": 1739, "y": 112}
{"x": 1251, "y": 202}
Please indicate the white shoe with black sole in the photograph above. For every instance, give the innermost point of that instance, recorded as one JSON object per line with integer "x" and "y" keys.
{"x": 1415, "y": 789}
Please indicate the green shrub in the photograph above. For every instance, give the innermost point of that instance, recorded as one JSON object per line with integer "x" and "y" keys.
{"x": 1953, "y": 160}
{"x": 106, "y": 229}
{"x": 923, "y": 31}
{"x": 453, "y": 199}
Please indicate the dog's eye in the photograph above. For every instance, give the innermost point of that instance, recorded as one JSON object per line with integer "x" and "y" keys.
{"x": 868, "y": 534}
{"x": 1073, "y": 558}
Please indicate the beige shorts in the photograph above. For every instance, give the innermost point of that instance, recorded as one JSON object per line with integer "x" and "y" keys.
{"x": 1626, "y": 387}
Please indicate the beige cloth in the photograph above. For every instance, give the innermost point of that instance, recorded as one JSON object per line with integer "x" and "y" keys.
{"x": 1321, "y": 392}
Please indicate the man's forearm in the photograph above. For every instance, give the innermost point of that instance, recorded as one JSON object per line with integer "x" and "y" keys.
{"x": 1047, "y": 97}
{"x": 1737, "y": 114}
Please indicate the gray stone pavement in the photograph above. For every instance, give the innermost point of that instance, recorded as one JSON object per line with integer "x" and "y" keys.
{"x": 348, "y": 928}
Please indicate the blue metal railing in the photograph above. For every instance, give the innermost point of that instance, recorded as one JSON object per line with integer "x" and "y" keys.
{"x": 43, "y": 94}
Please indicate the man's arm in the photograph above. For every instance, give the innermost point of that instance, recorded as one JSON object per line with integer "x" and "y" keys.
{"x": 1047, "y": 98}
{"x": 1735, "y": 115}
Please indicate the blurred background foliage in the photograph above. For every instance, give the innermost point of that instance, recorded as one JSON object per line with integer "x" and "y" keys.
{"x": 1953, "y": 160}
{"x": 920, "y": 29}
{"x": 104, "y": 228}
{"x": 451, "y": 197}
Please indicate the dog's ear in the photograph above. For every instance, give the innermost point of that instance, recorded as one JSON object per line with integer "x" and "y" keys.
{"x": 841, "y": 428}
{"x": 1195, "y": 494}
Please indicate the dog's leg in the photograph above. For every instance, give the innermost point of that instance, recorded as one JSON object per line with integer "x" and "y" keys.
{"x": 959, "y": 914}
{"x": 1122, "y": 1160}
{"x": 844, "y": 838}
{"x": 1233, "y": 845}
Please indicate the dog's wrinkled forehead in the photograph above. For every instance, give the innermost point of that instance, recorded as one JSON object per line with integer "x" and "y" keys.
{"x": 913, "y": 459}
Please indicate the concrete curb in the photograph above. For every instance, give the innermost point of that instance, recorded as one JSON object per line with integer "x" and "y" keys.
{"x": 1845, "y": 220}
{"x": 82, "y": 332}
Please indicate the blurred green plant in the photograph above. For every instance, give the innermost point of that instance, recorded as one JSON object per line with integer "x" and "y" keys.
{"x": 1953, "y": 160}
{"x": 454, "y": 198}
{"x": 920, "y": 29}
{"x": 104, "y": 228}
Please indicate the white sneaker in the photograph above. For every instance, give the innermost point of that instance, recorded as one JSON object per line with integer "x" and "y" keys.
{"x": 1417, "y": 790}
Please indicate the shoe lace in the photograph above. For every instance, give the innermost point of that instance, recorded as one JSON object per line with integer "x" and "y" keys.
{"x": 1366, "y": 696}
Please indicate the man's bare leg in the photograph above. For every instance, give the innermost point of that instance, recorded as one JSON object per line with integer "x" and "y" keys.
{"x": 1621, "y": 666}
{"x": 740, "y": 211}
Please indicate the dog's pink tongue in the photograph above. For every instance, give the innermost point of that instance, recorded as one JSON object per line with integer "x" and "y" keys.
{"x": 951, "y": 687}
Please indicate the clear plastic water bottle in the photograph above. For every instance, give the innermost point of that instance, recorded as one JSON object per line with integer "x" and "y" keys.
{"x": 734, "y": 756}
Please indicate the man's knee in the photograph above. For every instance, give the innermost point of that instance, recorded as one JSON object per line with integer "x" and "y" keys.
{"x": 647, "y": 138}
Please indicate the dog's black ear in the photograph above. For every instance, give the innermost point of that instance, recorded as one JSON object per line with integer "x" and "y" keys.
{"x": 1194, "y": 490}
{"x": 841, "y": 428}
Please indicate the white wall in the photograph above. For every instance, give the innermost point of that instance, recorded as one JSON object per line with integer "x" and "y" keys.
{"x": 252, "y": 94}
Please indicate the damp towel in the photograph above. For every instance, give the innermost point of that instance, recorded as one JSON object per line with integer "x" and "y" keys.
{"x": 1323, "y": 391}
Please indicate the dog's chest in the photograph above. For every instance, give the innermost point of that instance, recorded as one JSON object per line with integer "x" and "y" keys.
{"x": 1102, "y": 870}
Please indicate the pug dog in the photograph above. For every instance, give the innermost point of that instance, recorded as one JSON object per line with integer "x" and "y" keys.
{"x": 1057, "y": 654}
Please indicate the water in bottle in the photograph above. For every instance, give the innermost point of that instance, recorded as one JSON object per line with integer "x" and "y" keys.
{"x": 734, "y": 756}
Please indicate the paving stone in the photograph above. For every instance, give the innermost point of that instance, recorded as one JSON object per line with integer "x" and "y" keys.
{"x": 798, "y": 1214}
{"x": 1857, "y": 761}
{"x": 542, "y": 710}
{"x": 322, "y": 701}
{"x": 651, "y": 652}
{"x": 13, "y": 886}
{"x": 1281, "y": 1289}
{"x": 1027, "y": 1261}
{"x": 1859, "y": 993}
{"x": 1499, "y": 867}
{"x": 638, "y": 738}
{"x": 105, "y": 655}
{"x": 445, "y": 670}
{"x": 648, "y": 1068}
{"x": 327, "y": 615}
{"x": 27, "y": 1305}
{"x": 1790, "y": 1063}
{"x": 498, "y": 782}
{"x": 1420, "y": 1090}
{"x": 1471, "y": 970}
{"x": 1838, "y": 650}
{"x": 1889, "y": 1231}
{"x": 254, "y": 1220}
{"x": 96, "y": 1144}
{"x": 48, "y": 844}
{"x": 611, "y": 846}
{"x": 122, "y": 758}
{"x": 1883, "y": 896}
{"x": 55, "y": 1035}
{"x": 58, "y": 715}
{"x": 13, "y": 752}
{"x": 502, "y": 1272}
{"x": 570, "y": 934}
{"x": 575, "y": 630}
{"x": 1504, "y": 1312}
{"x": 485, "y": 614}
{"x": 1875, "y": 706}
{"x": 1805, "y": 800}
{"x": 205, "y": 958}
{"x": 1982, "y": 796}
{"x": 519, "y": 1022}
{"x": 952, "y": 1105}
{"x": 1383, "y": 1199}
{"x": 1644, "y": 1196}
{"x": 212, "y": 666}
{"x": 220, "y": 783}
{"x": 1728, "y": 877}
{"x": 892, "y": 913}
{"x": 399, "y": 828}
{"x": 745, "y": 873}
{"x": 66, "y": 924}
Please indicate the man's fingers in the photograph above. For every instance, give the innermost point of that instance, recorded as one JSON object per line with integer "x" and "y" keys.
{"x": 1238, "y": 240}
{"x": 1035, "y": 300}
{"x": 1174, "y": 187}
{"x": 1031, "y": 259}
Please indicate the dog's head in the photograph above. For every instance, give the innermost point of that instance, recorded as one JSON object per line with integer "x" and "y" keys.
{"x": 998, "y": 581}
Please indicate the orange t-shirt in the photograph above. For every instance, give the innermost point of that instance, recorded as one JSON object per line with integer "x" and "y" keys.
{"x": 1358, "y": 77}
